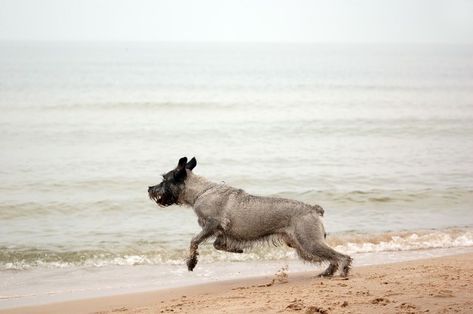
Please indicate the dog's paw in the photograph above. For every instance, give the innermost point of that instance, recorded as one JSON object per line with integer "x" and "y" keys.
{"x": 191, "y": 262}
{"x": 324, "y": 275}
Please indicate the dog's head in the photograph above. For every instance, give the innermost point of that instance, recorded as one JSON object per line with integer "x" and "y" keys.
{"x": 167, "y": 192}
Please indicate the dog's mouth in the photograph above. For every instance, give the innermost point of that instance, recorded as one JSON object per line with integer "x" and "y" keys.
{"x": 155, "y": 198}
{"x": 162, "y": 199}
{"x": 159, "y": 199}
{"x": 162, "y": 196}
{"x": 153, "y": 195}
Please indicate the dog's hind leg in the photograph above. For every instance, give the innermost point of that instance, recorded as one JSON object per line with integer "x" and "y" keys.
{"x": 333, "y": 261}
{"x": 311, "y": 246}
{"x": 337, "y": 260}
{"x": 209, "y": 228}
{"x": 317, "y": 252}
{"x": 221, "y": 244}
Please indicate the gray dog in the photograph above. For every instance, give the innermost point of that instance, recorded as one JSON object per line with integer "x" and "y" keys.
{"x": 238, "y": 219}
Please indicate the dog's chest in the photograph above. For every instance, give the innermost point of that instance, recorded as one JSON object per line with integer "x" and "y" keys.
{"x": 203, "y": 214}
{"x": 207, "y": 212}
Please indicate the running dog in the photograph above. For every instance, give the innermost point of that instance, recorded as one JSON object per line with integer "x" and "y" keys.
{"x": 238, "y": 220}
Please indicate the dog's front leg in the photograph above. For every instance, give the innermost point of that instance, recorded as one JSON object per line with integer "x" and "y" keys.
{"x": 208, "y": 229}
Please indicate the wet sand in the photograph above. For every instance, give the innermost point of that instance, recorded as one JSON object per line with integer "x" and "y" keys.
{"x": 438, "y": 285}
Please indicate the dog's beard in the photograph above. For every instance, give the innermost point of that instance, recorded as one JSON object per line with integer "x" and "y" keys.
{"x": 165, "y": 199}
{"x": 153, "y": 196}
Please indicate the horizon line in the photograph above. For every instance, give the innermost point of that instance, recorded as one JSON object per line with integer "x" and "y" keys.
{"x": 3, "y": 40}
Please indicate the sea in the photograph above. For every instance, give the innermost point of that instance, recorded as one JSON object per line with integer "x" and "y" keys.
{"x": 379, "y": 135}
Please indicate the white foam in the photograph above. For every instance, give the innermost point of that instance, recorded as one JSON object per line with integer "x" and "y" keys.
{"x": 408, "y": 242}
{"x": 350, "y": 243}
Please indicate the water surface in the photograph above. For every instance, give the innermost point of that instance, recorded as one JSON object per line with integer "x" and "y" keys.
{"x": 379, "y": 135}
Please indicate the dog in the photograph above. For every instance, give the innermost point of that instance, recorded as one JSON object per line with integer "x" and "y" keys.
{"x": 238, "y": 220}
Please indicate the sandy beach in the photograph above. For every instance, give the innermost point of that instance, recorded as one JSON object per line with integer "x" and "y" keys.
{"x": 438, "y": 285}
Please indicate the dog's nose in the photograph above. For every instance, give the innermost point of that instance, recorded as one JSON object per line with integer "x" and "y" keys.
{"x": 149, "y": 188}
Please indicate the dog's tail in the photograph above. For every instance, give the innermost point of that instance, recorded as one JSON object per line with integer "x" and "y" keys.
{"x": 319, "y": 210}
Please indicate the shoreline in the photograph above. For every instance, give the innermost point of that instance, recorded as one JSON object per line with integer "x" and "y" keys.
{"x": 47, "y": 286}
{"x": 433, "y": 284}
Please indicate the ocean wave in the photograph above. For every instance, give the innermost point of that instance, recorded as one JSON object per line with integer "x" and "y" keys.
{"x": 374, "y": 196}
{"x": 402, "y": 241}
{"x": 16, "y": 258}
{"x": 145, "y": 105}
{"x": 61, "y": 202}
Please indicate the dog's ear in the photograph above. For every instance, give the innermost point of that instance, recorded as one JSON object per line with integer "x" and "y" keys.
{"x": 180, "y": 175}
{"x": 191, "y": 164}
{"x": 182, "y": 163}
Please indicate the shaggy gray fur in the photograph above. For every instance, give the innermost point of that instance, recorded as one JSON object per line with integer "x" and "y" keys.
{"x": 238, "y": 219}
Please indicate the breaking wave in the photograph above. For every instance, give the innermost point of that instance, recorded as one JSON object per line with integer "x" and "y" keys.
{"x": 403, "y": 241}
{"x": 21, "y": 258}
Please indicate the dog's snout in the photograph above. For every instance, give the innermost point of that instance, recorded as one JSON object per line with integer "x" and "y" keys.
{"x": 150, "y": 188}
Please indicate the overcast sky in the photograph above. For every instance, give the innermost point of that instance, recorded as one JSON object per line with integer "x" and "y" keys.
{"x": 239, "y": 20}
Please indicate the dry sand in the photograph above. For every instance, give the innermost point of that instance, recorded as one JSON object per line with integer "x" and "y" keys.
{"x": 439, "y": 285}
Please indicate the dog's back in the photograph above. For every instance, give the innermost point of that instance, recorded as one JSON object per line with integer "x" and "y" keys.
{"x": 247, "y": 216}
